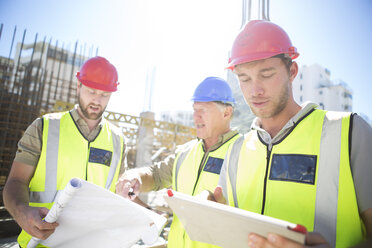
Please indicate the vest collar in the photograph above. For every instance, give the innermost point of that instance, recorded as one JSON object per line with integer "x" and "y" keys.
{"x": 306, "y": 107}
{"x": 222, "y": 139}
{"x": 76, "y": 116}
{"x": 83, "y": 126}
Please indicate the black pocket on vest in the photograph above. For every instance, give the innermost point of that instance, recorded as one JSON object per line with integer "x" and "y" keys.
{"x": 100, "y": 156}
{"x": 293, "y": 167}
{"x": 213, "y": 165}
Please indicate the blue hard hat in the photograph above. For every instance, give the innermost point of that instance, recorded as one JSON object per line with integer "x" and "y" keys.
{"x": 213, "y": 89}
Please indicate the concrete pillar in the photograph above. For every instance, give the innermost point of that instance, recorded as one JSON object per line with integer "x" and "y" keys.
{"x": 145, "y": 141}
{"x": 144, "y": 145}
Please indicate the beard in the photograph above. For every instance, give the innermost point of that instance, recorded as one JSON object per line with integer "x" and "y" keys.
{"x": 85, "y": 110}
{"x": 279, "y": 103}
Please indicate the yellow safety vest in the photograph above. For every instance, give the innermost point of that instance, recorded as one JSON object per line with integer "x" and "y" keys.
{"x": 66, "y": 154}
{"x": 193, "y": 172}
{"x": 305, "y": 178}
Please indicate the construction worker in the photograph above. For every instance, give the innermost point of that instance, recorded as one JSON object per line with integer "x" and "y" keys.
{"x": 60, "y": 146}
{"x": 297, "y": 163}
{"x": 196, "y": 165}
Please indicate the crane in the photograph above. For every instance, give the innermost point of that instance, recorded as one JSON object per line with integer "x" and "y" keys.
{"x": 262, "y": 14}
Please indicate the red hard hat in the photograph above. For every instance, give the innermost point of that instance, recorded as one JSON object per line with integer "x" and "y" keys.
{"x": 258, "y": 40}
{"x": 98, "y": 73}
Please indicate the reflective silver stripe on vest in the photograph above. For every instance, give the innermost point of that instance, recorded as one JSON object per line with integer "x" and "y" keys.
{"x": 233, "y": 167}
{"x": 51, "y": 163}
{"x": 180, "y": 160}
{"x": 115, "y": 158}
{"x": 43, "y": 197}
{"x": 325, "y": 220}
{"x": 52, "y": 155}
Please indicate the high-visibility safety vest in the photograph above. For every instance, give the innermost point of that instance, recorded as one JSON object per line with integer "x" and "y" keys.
{"x": 305, "y": 178}
{"x": 194, "y": 171}
{"x": 66, "y": 154}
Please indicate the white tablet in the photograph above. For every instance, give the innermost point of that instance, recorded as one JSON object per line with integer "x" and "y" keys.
{"x": 226, "y": 226}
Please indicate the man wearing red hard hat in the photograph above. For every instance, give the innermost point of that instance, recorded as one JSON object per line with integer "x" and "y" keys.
{"x": 298, "y": 163}
{"x": 59, "y": 146}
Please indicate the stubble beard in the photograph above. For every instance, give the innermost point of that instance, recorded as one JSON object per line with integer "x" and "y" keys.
{"x": 87, "y": 115}
{"x": 277, "y": 108}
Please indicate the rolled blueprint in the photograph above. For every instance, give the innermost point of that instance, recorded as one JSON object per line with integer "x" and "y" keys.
{"x": 60, "y": 202}
{"x": 96, "y": 217}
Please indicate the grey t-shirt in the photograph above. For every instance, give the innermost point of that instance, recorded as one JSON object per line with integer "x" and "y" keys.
{"x": 360, "y": 158}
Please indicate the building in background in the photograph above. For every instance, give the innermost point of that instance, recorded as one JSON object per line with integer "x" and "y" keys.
{"x": 243, "y": 115}
{"x": 313, "y": 83}
{"x": 47, "y": 72}
{"x": 179, "y": 117}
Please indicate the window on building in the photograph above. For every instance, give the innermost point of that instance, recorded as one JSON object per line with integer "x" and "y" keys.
{"x": 347, "y": 95}
{"x": 300, "y": 98}
{"x": 300, "y": 87}
{"x": 320, "y": 92}
{"x": 300, "y": 75}
{"x": 56, "y": 54}
{"x": 321, "y": 105}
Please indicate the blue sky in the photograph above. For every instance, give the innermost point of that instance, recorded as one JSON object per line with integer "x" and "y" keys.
{"x": 187, "y": 41}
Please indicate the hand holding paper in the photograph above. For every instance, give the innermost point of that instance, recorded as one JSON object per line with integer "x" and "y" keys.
{"x": 216, "y": 196}
{"x": 33, "y": 222}
{"x": 58, "y": 206}
{"x": 95, "y": 217}
{"x": 275, "y": 240}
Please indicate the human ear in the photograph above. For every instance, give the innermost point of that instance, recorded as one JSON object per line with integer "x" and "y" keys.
{"x": 293, "y": 70}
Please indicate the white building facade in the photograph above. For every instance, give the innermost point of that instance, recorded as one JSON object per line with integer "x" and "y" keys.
{"x": 45, "y": 73}
{"x": 313, "y": 84}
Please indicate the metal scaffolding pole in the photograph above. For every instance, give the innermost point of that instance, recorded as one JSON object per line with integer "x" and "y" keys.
{"x": 59, "y": 70}
{"x": 72, "y": 74}
{"x": 40, "y": 95}
{"x": 52, "y": 56}
{"x": 6, "y": 120}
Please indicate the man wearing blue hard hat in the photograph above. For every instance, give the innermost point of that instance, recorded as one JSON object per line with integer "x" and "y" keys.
{"x": 196, "y": 165}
